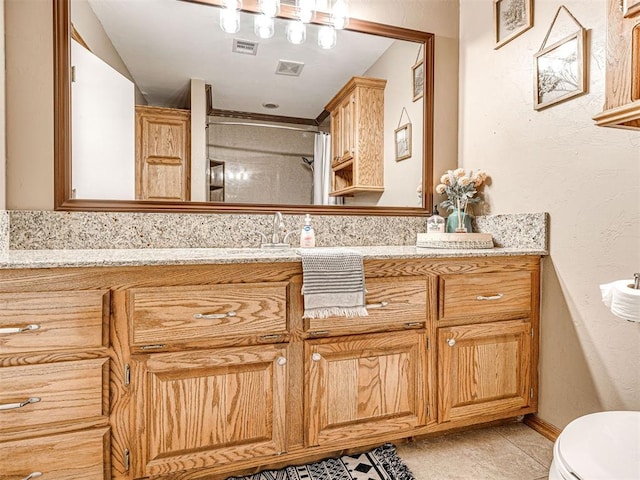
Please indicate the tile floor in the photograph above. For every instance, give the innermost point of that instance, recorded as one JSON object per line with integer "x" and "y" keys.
{"x": 507, "y": 452}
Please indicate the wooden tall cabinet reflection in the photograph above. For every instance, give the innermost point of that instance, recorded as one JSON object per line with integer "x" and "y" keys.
{"x": 163, "y": 152}
{"x": 357, "y": 133}
{"x": 622, "y": 95}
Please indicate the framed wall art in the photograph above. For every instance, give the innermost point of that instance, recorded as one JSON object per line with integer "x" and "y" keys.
{"x": 403, "y": 142}
{"x": 630, "y": 7}
{"x": 418, "y": 80}
{"x": 560, "y": 72}
{"x": 511, "y": 18}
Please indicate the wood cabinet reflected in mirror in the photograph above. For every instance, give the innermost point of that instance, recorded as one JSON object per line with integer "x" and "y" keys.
{"x": 172, "y": 55}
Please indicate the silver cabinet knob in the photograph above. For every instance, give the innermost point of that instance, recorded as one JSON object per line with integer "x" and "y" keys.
{"x": 282, "y": 361}
{"x": 451, "y": 342}
{"x": 316, "y": 357}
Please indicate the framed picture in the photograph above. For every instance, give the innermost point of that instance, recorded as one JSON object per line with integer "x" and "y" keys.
{"x": 630, "y": 7}
{"x": 511, "y": 18}
{"x": 418, "y": 80}
{"x": 560, "y": 71}
{"x": 403, "y": 142}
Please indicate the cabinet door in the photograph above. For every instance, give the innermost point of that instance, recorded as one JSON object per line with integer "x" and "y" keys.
{"x": 206, "y": 408}
{"x": 162, "y": 154}
{"x": 347, "y": 126}
{"x": 483, "y": 369}
{"x": 363, "y": 386}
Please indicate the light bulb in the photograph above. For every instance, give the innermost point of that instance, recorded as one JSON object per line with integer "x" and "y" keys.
{"x": 296, "y": 32}
{"x": 229, "y": 20}
{"x": 232, "y": 4}
{"x": 305, "y": 10}
{"x": 327, "y": 37}
{"x": 340, "y": 14}
{"x": 263, "y": 26}
{"x": 271, "y": 8}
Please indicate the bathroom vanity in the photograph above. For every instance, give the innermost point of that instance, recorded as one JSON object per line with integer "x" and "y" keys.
{"x": 202, "y": 367}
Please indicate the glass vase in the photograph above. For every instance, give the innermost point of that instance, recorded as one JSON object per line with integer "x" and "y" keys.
{"x": 458, "y": 222}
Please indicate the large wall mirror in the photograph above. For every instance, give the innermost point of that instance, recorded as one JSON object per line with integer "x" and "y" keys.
{"x": 158, "y": 108}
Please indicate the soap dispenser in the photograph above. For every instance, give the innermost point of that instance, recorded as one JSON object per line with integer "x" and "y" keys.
{"x": 435, "y": 223}
{"x": 307, "y": 235}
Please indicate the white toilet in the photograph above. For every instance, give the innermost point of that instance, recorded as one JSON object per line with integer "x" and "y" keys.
{"x": 602, "y": 446}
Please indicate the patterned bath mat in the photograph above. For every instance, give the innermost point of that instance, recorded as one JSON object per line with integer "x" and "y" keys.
{"x": 381, "y": 463}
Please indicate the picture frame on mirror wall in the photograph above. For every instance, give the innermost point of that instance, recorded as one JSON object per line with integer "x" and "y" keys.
{"x": 402, "y": 136}
{"x": 418, "y": 80}
{"x": 511, "y": 18}
{"x": 630, "y": 7}
{"x": 560, "y": 69}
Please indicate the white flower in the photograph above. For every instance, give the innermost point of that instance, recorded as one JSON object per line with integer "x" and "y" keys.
{"x": 459, "y": 172}
{"x": 441, "y": 188}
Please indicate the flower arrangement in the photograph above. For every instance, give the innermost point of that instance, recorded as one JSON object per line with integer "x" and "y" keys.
{"x": 460, "y": 189}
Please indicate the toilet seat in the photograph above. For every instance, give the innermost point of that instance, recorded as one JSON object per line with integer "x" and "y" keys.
{"x": 603, "y": 445}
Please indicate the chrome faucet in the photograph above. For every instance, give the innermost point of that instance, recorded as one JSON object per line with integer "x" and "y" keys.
{"x": 279, "y": 236}
{"x": 278, "y": 228}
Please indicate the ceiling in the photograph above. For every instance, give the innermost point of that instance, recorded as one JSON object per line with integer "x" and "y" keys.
{"x": 165, "y": 43}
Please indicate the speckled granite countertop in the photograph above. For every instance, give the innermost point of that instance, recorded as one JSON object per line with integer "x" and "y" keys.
{"x": 193, "y": 256}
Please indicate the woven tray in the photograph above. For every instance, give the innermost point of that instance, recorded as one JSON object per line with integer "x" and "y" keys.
{"x": 454, "y": 240}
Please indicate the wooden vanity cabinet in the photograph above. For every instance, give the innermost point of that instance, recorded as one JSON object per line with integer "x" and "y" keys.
{"x": 54, "y": 379}
{"x": 487, "y": 323}
{"x": 622, "y": 94}
{"x": 207, "y": 371}
{"x": 357, "y": 133}
{"x": 208, "y": 408}
{"x": 364, "y": 386}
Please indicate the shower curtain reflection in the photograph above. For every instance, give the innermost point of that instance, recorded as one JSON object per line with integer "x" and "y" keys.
{"x": 322, "y": 171}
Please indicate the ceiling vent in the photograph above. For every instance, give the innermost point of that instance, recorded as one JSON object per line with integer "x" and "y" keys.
{"x": 286, "y": 67}
{"x": 246, "y": 47}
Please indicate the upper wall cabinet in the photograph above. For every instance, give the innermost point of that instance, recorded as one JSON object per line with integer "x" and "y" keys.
{"x": 622, "y": 100}
{"x": 357, "y": 132}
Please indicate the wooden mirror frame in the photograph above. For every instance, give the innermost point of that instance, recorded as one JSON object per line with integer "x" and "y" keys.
{"x": 62, "y": 132}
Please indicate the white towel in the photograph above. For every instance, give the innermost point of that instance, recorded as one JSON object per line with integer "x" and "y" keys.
{"x": 332, "y": 283}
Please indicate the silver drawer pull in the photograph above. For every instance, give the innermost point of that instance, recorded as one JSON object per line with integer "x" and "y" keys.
{"x": 214, "y": 316}
{"x": 413, "y": 325}
{"x": 19, "y": 329}
{"x": 282, "y": 361}
{"x": 316, "y": 357}
{"x": 32, "y": 475}
{"x": 493, "y": 297}
{"x": 13, "y": 406}
{"x": 157, "y": 346}
{"x": 377, "y": 305}
{"x": 451, "y": 342}
{"x": 268, "y": 338}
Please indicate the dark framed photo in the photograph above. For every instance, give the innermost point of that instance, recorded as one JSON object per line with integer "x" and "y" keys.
{"x": 418, "y": 80}
{"x": 560, "y": 71}
{"x": 403, "y": 142}
{"x": 511, "y": 18}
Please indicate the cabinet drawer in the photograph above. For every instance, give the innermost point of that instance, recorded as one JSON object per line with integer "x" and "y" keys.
{"x": 179, "y": 314}
{"x": 67, "y": 392}
{"x": 392, "y": 304}
{"x": 39, "y": 321}
{"x": 485, "y": 296}
{"x": 68, "y": 456}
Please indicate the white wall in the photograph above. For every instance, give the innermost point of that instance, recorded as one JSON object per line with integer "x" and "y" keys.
{"x": 586, "y": 177}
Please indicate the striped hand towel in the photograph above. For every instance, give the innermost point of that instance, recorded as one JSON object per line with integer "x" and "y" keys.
{"x": 332, "y": 283}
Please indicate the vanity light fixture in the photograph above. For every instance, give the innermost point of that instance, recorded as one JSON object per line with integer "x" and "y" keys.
{"x": 305, "y": 10}
{"x": 232, "y": 4}
{"x": 340, "y": 14}
{"x": 296, "y": 32}
{"x": 270, "y": 8}
{"x": 229, "y": 20}
{"x": 327, "y": 37}
{"x": 263, "y": 26}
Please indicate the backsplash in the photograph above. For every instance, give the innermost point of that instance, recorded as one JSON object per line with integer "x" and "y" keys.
{"x": 45, "y": 230}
